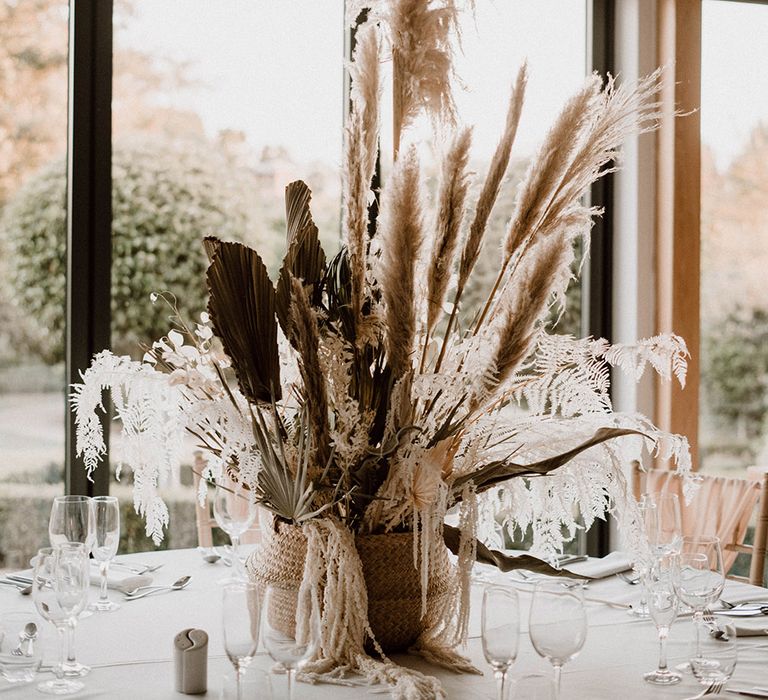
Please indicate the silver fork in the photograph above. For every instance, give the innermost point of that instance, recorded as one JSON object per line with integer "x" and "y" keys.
{"x": 713, "y": 688}
{"x": 139, "y": 570}
{"x": 714, "y": 629}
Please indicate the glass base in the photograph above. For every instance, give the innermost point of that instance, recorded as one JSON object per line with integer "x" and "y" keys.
{"x": 75, "y": 670}
{"x": 662, "y": 677}
{"x": 639, "y": 611}
{"x": 61, "y": 686}
{"x": 104, "y": 606}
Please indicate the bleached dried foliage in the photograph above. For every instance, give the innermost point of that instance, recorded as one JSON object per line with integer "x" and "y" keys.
{"x": 360, "y": 407}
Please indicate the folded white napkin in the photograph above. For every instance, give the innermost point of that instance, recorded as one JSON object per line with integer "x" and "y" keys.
{"x": 749, "y": 626}
{"x": 609, "y": 565}
{"x": 124, "y": 582}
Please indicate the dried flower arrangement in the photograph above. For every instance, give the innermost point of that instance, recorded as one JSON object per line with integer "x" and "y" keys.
{"x": 348, "y": 399}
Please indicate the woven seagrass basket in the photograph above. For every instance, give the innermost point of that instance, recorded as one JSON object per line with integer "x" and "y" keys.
{"x": 393, "y": 583}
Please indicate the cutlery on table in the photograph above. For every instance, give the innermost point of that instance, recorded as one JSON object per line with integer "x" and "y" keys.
{"x": 744, "y": 604}
{"x": 714, "y": 629}
{"x": 631, "y": 580}
{"x": 743, "y": 612}
{"x": 27, "y": 636}
{"x": 209, "y": 554}
{"x": 138, "y": 568}
{"x": 749, "y": 692}
{"x": 715, "y": 687}
{"x": 150, "y": 590}
{"x": 21, "y": 586}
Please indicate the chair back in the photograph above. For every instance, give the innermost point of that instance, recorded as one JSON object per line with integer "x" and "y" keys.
{"x": 204, "y": 518}
{"x": 723, "y": 506}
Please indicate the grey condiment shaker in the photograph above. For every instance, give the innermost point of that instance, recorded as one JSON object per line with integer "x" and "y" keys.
{"x": 190, "y": 652}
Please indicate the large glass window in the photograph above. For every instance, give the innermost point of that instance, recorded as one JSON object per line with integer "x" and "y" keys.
{"x": 33, "y": 143}
{"x": 734, "y": 236}
{"x": 215, "y": 111}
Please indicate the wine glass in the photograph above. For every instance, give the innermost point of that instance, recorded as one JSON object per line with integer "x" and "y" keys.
{"x": 106, "y": 538}
{"x": 235, "y": 512}
{"x": 500, "y": 631}
{"x": 650, "y": 526}
{"x": 698, "y": 577}
{"x": 662, "y": 604}
{"x": 558, "y": 622}
{"x": 669, "y": 529}
{"x": 72, "y": 521}
{"x": 240, "y": 617}
{"x": 718, "y": 658}
{"x": 278, "y": 631}
{"x": 60, "y": 592}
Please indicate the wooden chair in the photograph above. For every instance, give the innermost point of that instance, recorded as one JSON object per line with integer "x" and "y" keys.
{"x": 730, "y": 504}
{"x": 203, "y": 514}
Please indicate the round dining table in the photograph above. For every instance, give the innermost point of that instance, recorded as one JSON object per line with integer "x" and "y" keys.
{"x": 131, "y": 650}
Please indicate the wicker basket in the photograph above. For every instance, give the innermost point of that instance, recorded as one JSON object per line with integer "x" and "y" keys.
{"x": 393, "y": 583}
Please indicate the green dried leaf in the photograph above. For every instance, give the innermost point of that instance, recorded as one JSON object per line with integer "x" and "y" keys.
{"x": 491, "y": 474}
{"x": 505, "y": 562}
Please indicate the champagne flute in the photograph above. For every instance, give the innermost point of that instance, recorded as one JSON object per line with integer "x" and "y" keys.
{"x": 278, "y": 632}
{"x": 558, "y": 622}
{"x": 698, "y": 577}
{"x": 60, "y": 591}
{"x": 669, "y": 528}
{"x": 235, "y": 512}
{"x": 663, "y": 605}
{"x": 71, "y": 520}
{"x": 649, "y": 523}
{"x": 106, "y": 518}
{"x": 500, "y": 631}
{"x": 240, "y": 616}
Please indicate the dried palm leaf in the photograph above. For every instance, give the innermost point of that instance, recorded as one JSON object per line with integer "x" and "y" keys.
{"x": 242, "y": 310}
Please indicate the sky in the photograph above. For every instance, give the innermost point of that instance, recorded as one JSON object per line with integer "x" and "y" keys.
{"x": 274, "y": 69}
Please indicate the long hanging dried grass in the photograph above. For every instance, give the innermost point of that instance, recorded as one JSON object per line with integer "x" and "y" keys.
{"x": 401, "y": 229}
{"x": 366, "y": 92}
{"x": 306, "y": 339}
{"x": 450, "y": 212}
{"x": 421, "y": 61}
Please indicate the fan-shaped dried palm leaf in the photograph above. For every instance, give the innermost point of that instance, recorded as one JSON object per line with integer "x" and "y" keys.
{"x": 242, "y": 310}
{"x": 304, "y": 259}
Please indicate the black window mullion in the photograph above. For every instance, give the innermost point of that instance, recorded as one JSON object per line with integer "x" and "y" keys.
{"x": 597, "y": 291}
{"x": 89, "y": 210}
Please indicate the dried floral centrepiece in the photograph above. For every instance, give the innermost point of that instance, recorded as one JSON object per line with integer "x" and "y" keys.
{"x": 352, "y": 401}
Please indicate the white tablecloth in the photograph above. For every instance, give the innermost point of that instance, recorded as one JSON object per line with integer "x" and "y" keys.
{"x": 131, "y": 649}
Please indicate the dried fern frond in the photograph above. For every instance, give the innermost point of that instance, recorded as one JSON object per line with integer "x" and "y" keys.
{"x": 422, "y": 61}
{"x": 306, "y": 339}
{"x": 401, "y": 233}
{"x": 450, "y": 212}
{"x": 492, "y": 183}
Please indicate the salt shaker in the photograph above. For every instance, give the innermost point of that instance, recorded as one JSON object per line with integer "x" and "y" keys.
{"x": 190, "y": 651}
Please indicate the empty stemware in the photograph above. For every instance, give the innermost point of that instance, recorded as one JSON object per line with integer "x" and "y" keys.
{"x": 699, "y": 577}
{"x": 649, "y": 524}
{"x": 278, "y": 631}
{"x": 71, "y": 520}
{"x": 234, "y": 512}
{"x": 60, "y": 592}
{"x": 106, "y": 519}
{"x": 558, "y": 623}
{"x": 240, "y": 617}
{"x": 662, "y": 605}
{"x": 500, "y": 631}
{"x": 669, "y": 530}
{"x": 714, "y": 660}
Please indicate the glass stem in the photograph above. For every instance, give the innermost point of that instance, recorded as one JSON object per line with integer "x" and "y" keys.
{"x": 237, "y": 567}
{"x": 501, "y": 677}
{"x": 59, "y": 670}
{"x": 239, "y": 681}
{"x": 290, "y": 673}
{"x": 663, "y": 632}
{"x": 71, "y": 642}
{"x": 698, "y": 617}
{"x": 558, "y": 668}
{"x": 104, "y": 571}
